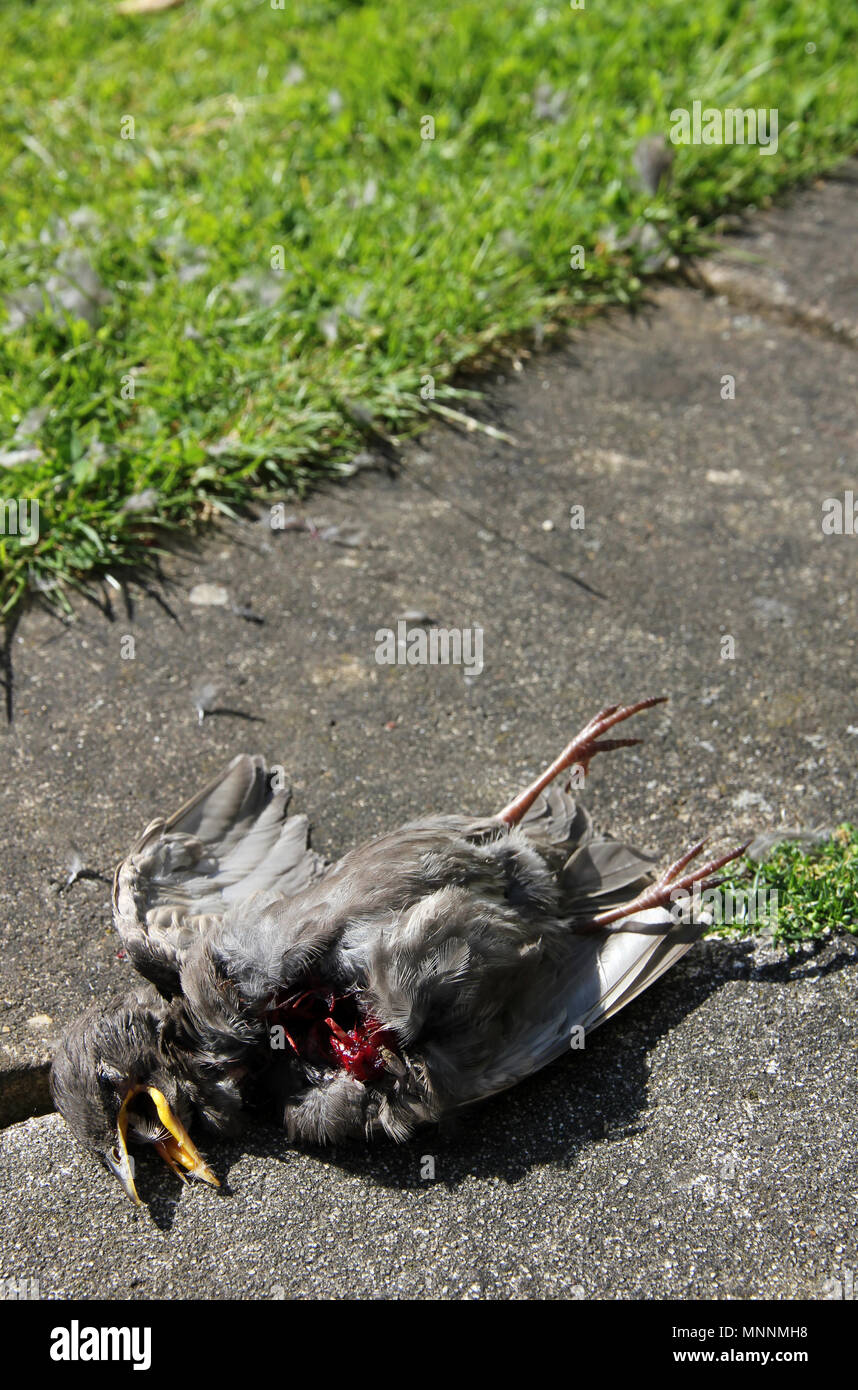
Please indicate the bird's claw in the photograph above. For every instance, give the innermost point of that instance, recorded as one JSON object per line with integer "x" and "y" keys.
{"x": 579, "y": 753}
{"x": 669, "y": 886}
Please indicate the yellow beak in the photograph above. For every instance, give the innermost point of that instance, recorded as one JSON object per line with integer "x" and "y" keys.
{"x": 177, "y": 1149}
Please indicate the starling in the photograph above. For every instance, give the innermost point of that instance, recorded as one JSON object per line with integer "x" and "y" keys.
{"x": 428, "y": 969}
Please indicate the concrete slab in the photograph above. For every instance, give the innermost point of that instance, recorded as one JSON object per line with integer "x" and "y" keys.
{"x": 702, "y": 522}
{"x": 794, "y": 260}
{"x": 701, "y": 1147}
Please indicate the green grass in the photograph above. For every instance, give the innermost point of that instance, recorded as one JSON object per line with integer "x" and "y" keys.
{"x": 403, "y": 258}
{"x": 817, "y": 890}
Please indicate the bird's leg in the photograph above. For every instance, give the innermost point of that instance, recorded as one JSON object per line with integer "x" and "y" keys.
{"x": 579, "y": 752}
{"x": 673, "y": 880}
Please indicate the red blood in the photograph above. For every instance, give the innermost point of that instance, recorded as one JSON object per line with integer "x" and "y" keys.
{"x": 330, "y": 1030}
{"x": 358, "y": 1050}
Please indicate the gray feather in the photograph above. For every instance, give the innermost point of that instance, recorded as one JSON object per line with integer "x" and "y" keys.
{"x": 230, "y": 842}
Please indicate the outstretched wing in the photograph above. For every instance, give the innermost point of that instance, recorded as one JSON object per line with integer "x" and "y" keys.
{"x": 232, "y": 840}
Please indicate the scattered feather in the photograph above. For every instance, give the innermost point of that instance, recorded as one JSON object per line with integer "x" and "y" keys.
{"x": 209, "y": 595}
{"x": 653, "y": 160}
{"x": 145, "y": 501}
{"x": 204, "y": 697}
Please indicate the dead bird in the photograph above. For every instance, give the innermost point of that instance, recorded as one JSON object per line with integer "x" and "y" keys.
{"x": 430, "y": 968}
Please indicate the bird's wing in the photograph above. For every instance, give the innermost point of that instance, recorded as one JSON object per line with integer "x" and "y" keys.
{"x": 231, "y": 841}
{"x": 601, "y": 874}
{"x": 511, "y": 995}
{"x": 599, "y": 975}
{"x": 595, "y": 974}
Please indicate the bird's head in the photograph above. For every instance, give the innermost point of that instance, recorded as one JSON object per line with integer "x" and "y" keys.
{"x": 114, "y": 1085}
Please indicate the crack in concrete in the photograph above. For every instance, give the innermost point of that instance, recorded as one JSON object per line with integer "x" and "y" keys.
{"x": 508, "y": 540}
{"x": 743, "y": 291}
